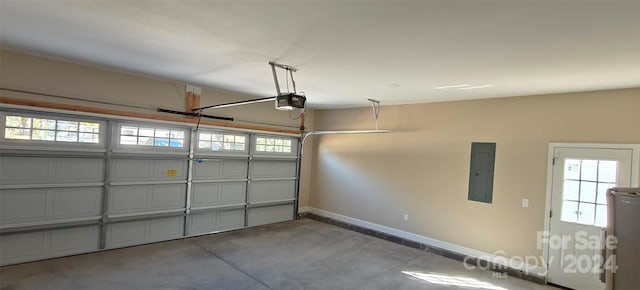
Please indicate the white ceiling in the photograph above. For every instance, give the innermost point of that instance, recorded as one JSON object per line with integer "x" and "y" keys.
{"x": 346, "y": 51}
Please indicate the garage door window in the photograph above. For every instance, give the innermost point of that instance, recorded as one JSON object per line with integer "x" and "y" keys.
{"x": 273, "y": 145}
{"x": 149, "y": 136}
{"x": 221, "y": 141}
{"x": 53, "y": 130}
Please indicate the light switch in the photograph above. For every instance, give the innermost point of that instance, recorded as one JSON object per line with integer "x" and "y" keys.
{"x": 525, "y": 202}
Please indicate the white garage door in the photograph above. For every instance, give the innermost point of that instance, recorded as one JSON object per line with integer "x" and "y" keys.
{"x": 272, "y": 188}
{"x": 72, "y": 184}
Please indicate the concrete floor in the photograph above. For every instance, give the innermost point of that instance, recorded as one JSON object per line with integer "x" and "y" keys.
{"x": 303, "y": 254}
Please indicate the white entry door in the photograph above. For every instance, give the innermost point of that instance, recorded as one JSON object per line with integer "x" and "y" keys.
{"x": 581, "y": 177}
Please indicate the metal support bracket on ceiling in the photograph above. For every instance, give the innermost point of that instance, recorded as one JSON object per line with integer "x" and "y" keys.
{"x": 376, "y": 109}
{"x": 376, "y": 113}
{"x": 290, "y": 70}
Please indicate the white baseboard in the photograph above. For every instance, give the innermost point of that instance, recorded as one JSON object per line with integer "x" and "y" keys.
{"x": 304, "y": 209}
{"x": 516, "y": 264}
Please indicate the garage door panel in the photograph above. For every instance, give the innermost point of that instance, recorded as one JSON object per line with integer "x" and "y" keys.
{"x": 18, "y": 170}
{"x": 146, "y": 231}
{"x": 231, "y": 219}
{"x": 214, "y": 194}
{"x": 125, "y": 234}
{"x": 269, "y": 214}
{"x": 146, "y": 198}
{"x": 148, "y": 170}
{"x": 21, "y": 247}
{"x": 273, "y": 169}
{"x": 16, "y": 248}
{"x": 203, "y": 223}
{"x": 77, "y": 170}
{"x": 41, "y": 205}
{"x": 74, "y": 240}
{"x": 220, "y": 169}
{"x": 37, "y": 170}
{"x": 168, "y": 196}
{"x": 77, "y": 202}
{"x": 22, "y": 205}
{"x": 130, "y": 169}
{"x": 165, "y": 229}
{"x": 127, "y": 199}
{"x": 260, "y": 191}
{"x": 232, "y": 193}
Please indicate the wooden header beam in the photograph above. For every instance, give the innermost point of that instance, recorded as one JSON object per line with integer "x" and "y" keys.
{"x": 191, "y": 102}
{"x": 179, "y": 119}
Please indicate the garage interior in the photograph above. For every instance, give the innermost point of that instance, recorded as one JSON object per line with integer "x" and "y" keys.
{"x": 141, "y": 147}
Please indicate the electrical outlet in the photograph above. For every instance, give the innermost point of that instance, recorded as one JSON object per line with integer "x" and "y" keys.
{"x": 525, "y": 202}
{"x": 406, "y": 217}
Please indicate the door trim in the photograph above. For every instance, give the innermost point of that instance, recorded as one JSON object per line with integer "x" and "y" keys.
{"x": 635, "y": 167}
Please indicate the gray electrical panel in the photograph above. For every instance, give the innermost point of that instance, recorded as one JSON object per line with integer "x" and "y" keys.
{"x": 481, "y": 173}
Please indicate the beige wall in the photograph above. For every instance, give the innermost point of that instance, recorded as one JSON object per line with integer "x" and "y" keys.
{"x": 33, "y": 73}
{"x": 422, "y": 167}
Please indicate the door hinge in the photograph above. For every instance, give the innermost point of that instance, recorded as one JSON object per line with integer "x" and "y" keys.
{"x": 550, "y": 214}
{"x": 553, "y": 160}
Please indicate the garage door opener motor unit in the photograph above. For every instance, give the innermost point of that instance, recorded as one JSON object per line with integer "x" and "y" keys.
{"x": 285, "y": 101}
{"x": 290, "y": 100}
